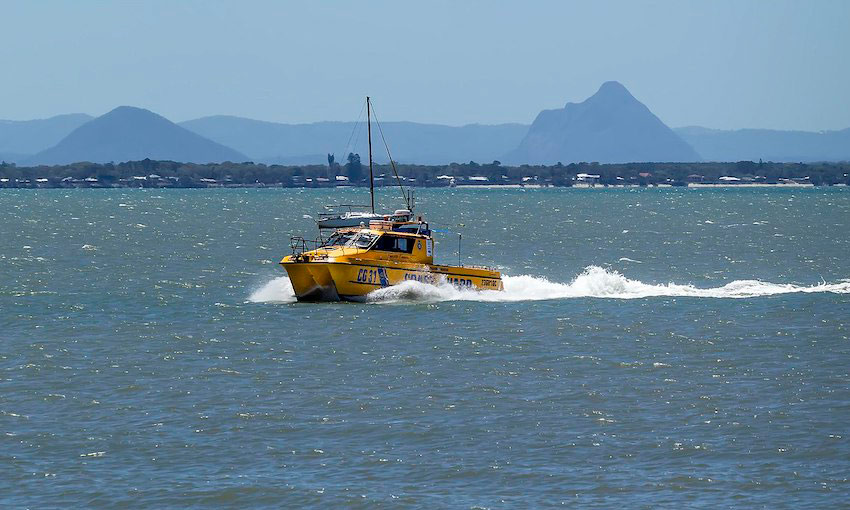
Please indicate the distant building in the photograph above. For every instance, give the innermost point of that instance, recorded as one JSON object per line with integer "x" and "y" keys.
{"x": 588, "y": 178}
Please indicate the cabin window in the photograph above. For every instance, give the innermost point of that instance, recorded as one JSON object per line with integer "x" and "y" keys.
{"x": 364, "y": 240}
{"x": 395, "y": 244}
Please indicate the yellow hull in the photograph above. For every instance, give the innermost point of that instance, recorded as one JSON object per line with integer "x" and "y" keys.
{"x": 353, "y": 280}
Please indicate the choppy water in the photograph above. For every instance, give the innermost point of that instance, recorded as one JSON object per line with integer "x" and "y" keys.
{"x": 653, "y": 348}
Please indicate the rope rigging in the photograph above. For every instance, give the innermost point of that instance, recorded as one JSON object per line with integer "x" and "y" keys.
{"x": 404, "y": 194}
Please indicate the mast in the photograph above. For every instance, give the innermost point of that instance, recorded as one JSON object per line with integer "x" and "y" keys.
{"x": 369, "y": 129}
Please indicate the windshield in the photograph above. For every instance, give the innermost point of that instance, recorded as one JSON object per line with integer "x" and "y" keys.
{"x": 339, "y": 239}
{"x": 350, "y": 240}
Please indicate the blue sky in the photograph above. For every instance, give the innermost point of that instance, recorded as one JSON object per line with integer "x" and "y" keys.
{"x": 724, "y": 64}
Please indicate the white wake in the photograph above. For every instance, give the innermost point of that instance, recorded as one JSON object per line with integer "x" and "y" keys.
{"x": 593, "y": 282}
{"x": 277, "y": 290}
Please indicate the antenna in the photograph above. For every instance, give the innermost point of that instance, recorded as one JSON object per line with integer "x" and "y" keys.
{"x": 369, "y": 129}
{"x": 459, "y": 237}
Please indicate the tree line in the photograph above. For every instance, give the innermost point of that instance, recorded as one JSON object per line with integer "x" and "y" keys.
{"x": 151, "y": 173}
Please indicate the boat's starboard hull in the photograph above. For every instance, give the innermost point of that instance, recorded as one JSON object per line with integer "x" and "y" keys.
{"x": 353, "y": 281}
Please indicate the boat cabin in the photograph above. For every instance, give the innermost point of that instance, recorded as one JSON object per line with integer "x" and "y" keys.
{"x": 386, "y": 240}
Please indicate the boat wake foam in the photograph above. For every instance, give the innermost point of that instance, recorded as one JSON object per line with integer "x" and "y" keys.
{"x": 593, "y": 282}
{"x": 278, "y": 290}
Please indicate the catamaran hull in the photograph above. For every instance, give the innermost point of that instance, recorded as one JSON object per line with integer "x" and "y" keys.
{"x": 344, "y": 281}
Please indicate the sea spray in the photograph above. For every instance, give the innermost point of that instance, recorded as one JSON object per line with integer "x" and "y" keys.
{"x": 277, "y": 290}
{"x": 593, "y": 282}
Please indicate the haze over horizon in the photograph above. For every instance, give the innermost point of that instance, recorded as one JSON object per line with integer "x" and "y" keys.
{"x": 724, "y": 65}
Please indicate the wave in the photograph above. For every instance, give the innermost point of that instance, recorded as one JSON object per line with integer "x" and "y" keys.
{"x": 593, "y": 282}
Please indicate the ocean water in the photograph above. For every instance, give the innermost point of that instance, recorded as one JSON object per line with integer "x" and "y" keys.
{"x": 653, "y": 348}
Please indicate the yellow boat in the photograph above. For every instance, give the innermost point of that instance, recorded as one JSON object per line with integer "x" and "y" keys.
{"x": 355, "y": 261}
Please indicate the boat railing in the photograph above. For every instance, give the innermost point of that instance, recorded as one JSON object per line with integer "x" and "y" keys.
{"x": 476, "y": 266}
{"x": 299, "y": 245}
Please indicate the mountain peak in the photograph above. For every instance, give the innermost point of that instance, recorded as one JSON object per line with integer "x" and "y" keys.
{"x": 612, "y": 87}
{"x": 127, "y": 108}
{"x": 612, "y": 91}
{"x": 611, "y": 126}
{"x": 127, "y": 133}
{"x": 132, "y": 112}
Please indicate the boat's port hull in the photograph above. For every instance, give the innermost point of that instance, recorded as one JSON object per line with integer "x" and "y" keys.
{"x": 353, "y": 280}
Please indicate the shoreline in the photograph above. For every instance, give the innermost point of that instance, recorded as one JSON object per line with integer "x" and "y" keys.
{"x": 621, "y": 186}
{"x": 173, "y": 174}
{"x": 754, "y": 185}
{"x": 463, "y": 186}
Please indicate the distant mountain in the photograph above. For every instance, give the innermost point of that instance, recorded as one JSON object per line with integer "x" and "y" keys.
{"x": 768, "y": 144}
{"x": 127, "y": 133}
{"x": 409, "y": 142}
{"x": 611, "y": 126}
{"x": 20, "y": 139}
